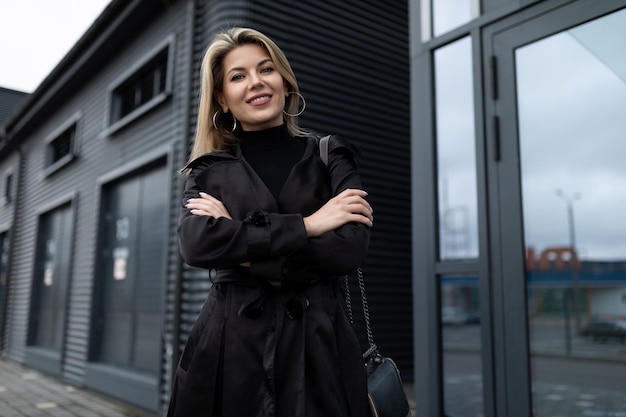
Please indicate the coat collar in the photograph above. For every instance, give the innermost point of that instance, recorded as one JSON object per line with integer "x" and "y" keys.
{"x": 234, "y": 153}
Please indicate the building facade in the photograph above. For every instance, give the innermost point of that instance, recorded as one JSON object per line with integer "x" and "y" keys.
{"x": 518, "y": 240}
{"x": 93, "y": 287}
{"x": 492, "y": 138}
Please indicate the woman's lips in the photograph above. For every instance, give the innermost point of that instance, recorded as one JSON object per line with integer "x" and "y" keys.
{"x": 260, "y": 100}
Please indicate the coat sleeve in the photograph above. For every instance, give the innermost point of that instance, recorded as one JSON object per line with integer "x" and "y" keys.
{"x": 208, "y": 242}
{"x": 337, "y": 252}
{"x": 342, "y": 250}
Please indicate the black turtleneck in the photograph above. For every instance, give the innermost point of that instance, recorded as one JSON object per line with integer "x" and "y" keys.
{"x": 272, "y": 153}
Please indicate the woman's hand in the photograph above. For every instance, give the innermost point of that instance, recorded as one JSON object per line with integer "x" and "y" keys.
{"x": 207, "y": 205}
{"x": 348, "y": 206}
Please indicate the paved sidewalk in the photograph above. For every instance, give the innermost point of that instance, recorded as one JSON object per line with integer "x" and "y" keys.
{"x": 25, "y": 392}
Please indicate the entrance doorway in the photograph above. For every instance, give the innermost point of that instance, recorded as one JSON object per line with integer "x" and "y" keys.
{"x": 558, "y": 146}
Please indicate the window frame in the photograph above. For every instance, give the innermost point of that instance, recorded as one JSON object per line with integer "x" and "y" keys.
{"x": 71, "y": 123}
{"x": 8, "y": 188}
{"x": 133, "y": 75}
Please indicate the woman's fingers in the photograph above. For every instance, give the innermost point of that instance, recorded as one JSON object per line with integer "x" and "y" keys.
{"x": 361, "y": 210}
{"x": 348, "y": 206}
{"x": 354, "y": 202}
{"x": 207, "y": 205}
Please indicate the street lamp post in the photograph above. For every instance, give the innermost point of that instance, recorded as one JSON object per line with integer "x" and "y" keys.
{"x": 569, "y": 201}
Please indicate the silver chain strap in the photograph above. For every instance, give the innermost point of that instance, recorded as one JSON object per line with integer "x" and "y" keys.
{"x": 348, "y": 299}
{"x": 366, "y": 310}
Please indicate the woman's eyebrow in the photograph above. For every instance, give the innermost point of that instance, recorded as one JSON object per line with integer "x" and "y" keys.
{"x": 263, "y": 62}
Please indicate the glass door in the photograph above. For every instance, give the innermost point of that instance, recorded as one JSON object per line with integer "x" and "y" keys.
{"x": 559, "y": 143}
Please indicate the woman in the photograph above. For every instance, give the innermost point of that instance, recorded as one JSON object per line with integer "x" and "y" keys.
{"x": 280, "y": 227}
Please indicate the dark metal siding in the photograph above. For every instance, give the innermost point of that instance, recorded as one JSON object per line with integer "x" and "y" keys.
{"x": 351, "y": 59}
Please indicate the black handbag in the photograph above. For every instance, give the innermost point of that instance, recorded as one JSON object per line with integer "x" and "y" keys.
{"x": 384, "y": 386}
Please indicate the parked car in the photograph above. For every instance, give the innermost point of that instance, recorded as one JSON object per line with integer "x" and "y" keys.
{"x": 600, "y": 328}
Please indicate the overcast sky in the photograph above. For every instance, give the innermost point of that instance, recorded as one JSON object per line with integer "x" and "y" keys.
{"x": 36, "y": 34}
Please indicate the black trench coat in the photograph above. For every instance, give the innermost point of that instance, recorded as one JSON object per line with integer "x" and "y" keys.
{"x": 272, "y": 340}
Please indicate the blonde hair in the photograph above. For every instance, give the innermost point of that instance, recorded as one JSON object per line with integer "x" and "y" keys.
{"x": 208, "y": 138}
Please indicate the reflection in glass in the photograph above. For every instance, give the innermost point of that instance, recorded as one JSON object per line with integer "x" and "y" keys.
{"x": 462, "y": 363}
{"x": 450, "y": 14}
{"x": 571, "y": 99}
{"x": 456, "y": 160}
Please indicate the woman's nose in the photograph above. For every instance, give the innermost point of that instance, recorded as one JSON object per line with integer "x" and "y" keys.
{"x": 255, "y": 81}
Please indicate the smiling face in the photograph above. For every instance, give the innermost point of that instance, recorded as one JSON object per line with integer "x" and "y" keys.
{"x": 253, "y": 89}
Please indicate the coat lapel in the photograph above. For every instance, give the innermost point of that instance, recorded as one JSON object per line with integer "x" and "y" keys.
{"x": 230, "y": 178}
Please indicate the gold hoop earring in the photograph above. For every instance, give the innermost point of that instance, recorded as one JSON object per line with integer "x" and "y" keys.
{"x": 303, "y": 105}
{"x": 215, "y": 122}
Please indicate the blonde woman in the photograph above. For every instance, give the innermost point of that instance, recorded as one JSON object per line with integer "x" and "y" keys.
{"x": 280, "y": 227}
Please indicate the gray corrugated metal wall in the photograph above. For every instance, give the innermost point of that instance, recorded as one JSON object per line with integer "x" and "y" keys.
{"x": 351, "y": 59}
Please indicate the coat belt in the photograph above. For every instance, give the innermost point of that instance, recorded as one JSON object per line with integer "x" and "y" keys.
{"x": 272, "y": 299}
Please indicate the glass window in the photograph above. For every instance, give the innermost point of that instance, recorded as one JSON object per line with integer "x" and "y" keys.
{"x": 461, "y": 344}
{"x": 140, "y": 88}
{"x": 456, "y": 154}
{"x": 8, "y": 188}
{"x": 450, "y": 14}
{"x": 571, "y": 99}
{"x": 61, "y": 146}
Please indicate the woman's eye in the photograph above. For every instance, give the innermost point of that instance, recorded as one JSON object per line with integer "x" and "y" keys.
{"x": 267, "y": 70}
{"x": 236, "y": 77}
